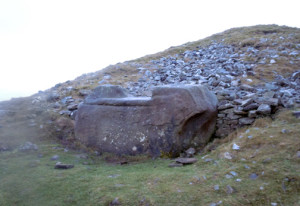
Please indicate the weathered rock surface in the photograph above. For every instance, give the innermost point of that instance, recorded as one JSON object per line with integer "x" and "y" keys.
{"x": 174, "y": 119}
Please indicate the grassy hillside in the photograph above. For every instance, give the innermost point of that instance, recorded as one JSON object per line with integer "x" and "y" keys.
{"x": 29, "y": 178}
{"x": 264, "y": 171}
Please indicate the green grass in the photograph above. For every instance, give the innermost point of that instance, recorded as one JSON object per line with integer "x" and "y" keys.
{"x": 26, "y": 179}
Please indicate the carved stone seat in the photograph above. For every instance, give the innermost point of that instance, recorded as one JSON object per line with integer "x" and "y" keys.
{"x": 173, "y": 119}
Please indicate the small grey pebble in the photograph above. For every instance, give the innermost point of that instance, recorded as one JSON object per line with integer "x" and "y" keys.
{"x": 216, "y": 187}
{"x": 54, "y": 157}
{"x": 246, "y": 167}
{"x": 253, "y": 176}
{"x": 208, "y": 160}
{"x": 228, "y": 176}
{"x": 233, "y": 173}
{"x": 229, "y": 189}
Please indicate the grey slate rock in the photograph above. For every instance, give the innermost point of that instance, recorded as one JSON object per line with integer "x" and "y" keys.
{"x": 208, "y": 160}
{"x": 230, "y": 189}
{"x": 296, "y": 114}
{"x": 239, "y": 112}
{"x": 246, "y": 121}
{"x": 216, "y": 187}
{"x": 72, "y": 107}
{"x": 251, "y": 106}
{"x": 228, "y": 155}
{"x": 54, "y": 157}
{"x": 264, "y": 109}
{"x": 225, "y": 106}
{"x": 228, "y": 176}
{"x": 298, "y": 154}
{"x": 67, "y": 100}
{"x": 296, "y": 75}
{"x": 114, "y": 202}
{"x": 247, "y": 167}
{"x": 247, "y": 88}
{"x": 233, "y": 173}
{"x": 190, "y": 152}
{"x": 65, "y": 112}
{"x": 253, "y": 176}
{"x": 252, "y": 114}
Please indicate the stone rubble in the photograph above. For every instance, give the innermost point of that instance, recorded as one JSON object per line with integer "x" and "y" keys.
{"x": 224, "y": 69}
{"x": 28, "y": 146}
{"x": 220, "y": 67}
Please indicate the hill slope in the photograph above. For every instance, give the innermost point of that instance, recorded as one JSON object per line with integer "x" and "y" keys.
{"x": 244, "y": 66}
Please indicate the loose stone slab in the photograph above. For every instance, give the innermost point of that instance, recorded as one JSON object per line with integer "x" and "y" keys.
{"x": 63, "y": 166}
{"x": 264, "y": 109}
{"x": 186, "y": 160}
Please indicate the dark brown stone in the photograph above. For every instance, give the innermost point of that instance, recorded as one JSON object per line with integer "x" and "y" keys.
{"x": 63, "y": 166}
{"x": 172, "y": 120}
{"x": 72, "y": 107}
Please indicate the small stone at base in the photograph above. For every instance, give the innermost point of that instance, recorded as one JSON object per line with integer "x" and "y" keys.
{"x": 63, "y": 166}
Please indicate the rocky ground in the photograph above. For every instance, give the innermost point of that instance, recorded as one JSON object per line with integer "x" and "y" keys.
{"x": 254, "y": 71}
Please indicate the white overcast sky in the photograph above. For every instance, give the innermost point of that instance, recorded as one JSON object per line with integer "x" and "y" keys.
{"x": 44, "y": 42}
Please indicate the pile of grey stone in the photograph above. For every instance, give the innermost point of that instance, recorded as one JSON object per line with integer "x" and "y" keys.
{"x": 220, "y": 67}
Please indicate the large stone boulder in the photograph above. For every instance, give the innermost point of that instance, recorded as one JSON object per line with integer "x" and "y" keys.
{"x": 172, "y": 120}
